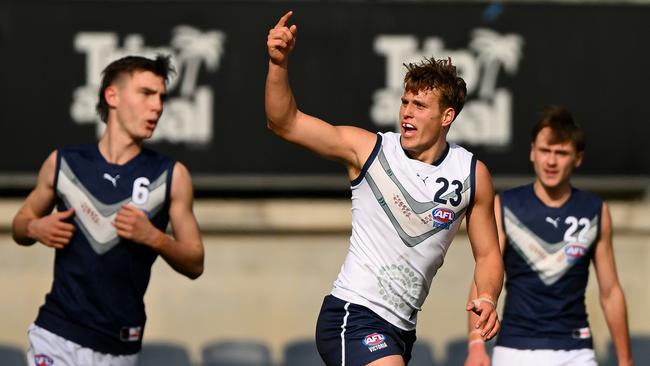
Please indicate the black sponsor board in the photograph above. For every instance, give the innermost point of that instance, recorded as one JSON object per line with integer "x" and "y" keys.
{"x": 346, "y": 69}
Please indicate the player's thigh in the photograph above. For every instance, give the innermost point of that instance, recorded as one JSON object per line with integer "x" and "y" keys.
{"x": 504, "y": 356}
{"x": 393, "y": 360}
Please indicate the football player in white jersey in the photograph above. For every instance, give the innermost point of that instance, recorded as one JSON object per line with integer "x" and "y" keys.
{"x": 414, "y": 226}
{"x": 549, "y": 232}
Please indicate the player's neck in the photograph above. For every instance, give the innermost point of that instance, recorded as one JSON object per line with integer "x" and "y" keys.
{"x": 552, "y": 196}
{"x": 118, "y": 149}
{"x": 431, "y": 155}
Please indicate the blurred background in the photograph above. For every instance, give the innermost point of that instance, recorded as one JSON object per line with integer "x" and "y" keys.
{"x": 275, "y": 218}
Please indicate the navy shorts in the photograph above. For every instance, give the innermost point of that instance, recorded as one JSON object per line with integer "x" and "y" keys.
{"x": 353, "y": 335}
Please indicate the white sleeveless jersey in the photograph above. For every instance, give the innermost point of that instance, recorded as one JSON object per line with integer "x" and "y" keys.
{"x": 405, "y": 214}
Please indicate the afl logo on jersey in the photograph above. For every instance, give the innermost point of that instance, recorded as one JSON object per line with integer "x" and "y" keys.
{"x": 574, "y": 252}
{"x": 43, "y": 360}
{"x": 443, "y": 217}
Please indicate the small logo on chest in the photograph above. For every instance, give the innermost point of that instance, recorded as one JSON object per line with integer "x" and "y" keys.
{"x": 111, "y": 179}
{"x": 422, "y": 177}
{"x": 554, "y": 222}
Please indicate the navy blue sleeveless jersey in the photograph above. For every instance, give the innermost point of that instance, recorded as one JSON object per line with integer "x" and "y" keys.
{"x": 547, "y": 257}
{"x": 100, "y": 279}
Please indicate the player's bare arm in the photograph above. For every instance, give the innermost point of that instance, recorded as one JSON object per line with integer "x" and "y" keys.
{"x": 185, "y": 251}
{"x": 488, "y": 274}
{"x": 350, "y": 145}
{"x": 612, "y": 298}
{"x": 477, "y": 353}
{"x": 33, "y": 222}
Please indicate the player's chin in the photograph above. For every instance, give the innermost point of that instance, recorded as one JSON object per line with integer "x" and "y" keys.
{"x": 146, "y": 134}
{"x": 551, "y": 181}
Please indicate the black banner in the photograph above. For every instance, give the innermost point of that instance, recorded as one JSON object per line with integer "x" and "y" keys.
{"x": 346, "y": 69}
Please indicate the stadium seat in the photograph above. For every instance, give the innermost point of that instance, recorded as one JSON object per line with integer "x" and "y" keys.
{"x": 640, "y": 345}
{"x": 163, "y": 353}
{"x": 301, "y": 353}
{"x": 422, "y": 354}
{"x": 236, "y": 353}
{"x": 12, "y": 356}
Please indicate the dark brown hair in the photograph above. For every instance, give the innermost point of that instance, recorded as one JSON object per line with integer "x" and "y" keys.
{"x": 563, "y": 127}
{"x": 440, "y": 75}
{"x": 161, "y": 66}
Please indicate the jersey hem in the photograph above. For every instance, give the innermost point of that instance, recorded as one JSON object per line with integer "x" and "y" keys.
{"x": 384, "y": 313}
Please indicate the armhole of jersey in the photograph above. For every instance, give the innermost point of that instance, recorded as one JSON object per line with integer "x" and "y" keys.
{"x": 503, "y": 217}
{"x": 472, "y": 181}
{"x": 168, "y": 189}
{"x": 366, "y": 166}
{"x": 600, "y": 222}
{"x": 57, "y": 168}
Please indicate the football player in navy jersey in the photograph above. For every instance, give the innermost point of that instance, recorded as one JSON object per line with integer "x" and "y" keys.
{"x": 410, "y": 192}
{"x": 549, "y": 233}
{"x": 114, "y": 200}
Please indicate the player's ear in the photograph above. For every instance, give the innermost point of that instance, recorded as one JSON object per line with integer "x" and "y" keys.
{"x": 579, "y": 156}
{"x": 532, "y": 147}
{"x": 448, "y": 116}
{"x": 110, "y": 94}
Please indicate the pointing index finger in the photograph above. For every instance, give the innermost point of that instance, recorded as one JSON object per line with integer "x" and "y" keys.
{"x": 283, "y": 21}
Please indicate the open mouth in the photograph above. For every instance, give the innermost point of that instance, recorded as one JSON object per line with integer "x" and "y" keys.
{"x": 408, "y": 127}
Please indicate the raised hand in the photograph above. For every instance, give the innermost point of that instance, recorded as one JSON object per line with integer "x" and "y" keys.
{"x": 52, "y": 230}
{"x": 281, "y": 40}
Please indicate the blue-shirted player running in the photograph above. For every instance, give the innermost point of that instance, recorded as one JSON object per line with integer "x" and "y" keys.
{"x": 114, "y": 201}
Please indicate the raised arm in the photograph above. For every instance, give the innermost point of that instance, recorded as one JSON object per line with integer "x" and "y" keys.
{"x": 184, "y": 252}
{"x": 488, "y": 273}
{"x": 350, "y": 145}
{"x": 33, "y": 222}
{"x": 612, "y": 298}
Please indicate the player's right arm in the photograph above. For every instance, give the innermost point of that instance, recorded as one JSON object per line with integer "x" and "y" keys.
{"x": 33, "y": 222}
{"x": 350, "y": 145}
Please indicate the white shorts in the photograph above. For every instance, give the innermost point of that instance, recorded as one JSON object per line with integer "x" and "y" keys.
{"x": 504, "y": 356}
{"x": 47, "y": 348}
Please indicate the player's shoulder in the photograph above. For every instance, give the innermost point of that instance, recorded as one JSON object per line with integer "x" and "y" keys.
{"x": 78, "y": 148}
{"x": 150, "y": 155}
{"x": 519, "y": 193}
{"x": 459, "y": 149}
{"x": 78, "y": 154}
{"x": 584, "y": 197}
{"x": 389, "y": 137}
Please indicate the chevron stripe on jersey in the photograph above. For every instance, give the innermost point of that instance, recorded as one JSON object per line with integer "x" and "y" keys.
{"x": 96, "y": 218}
{"x": 384, "y": 183}
{"x": 549, "y": 260}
